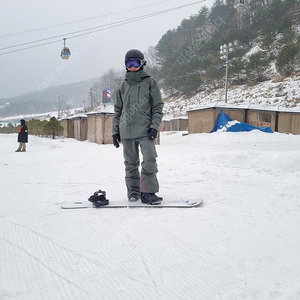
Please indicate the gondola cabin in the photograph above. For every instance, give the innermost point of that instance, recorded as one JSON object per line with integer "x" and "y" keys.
{"x": 65, "y": 53}
{"x": 238, "y": 4}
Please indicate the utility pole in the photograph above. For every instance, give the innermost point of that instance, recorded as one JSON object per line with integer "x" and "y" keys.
{"x": 83, "y": 102}
{"x": 92, "y": 98}
{"x": 224, "y": 52}
{"x": 58, "y": 100}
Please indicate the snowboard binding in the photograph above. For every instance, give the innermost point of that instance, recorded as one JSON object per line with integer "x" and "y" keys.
{"x": 99, "y": 199}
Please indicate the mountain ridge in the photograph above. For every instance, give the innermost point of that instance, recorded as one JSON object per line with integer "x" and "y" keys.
{"x": 72, "y": 95}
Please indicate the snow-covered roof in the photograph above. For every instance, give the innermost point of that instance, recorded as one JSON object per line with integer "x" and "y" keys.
{"x": 107, "y": 109}
{"x": 180, "y": 118}
{"x": 249, "y": 106}
{"x": 290, "y": 110}
{"x": 77, "y": 116}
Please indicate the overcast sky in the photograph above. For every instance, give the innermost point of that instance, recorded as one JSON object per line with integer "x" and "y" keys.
{"x": 92, "y": 55}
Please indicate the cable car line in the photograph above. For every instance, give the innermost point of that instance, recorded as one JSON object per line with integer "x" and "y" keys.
{"x": 78, "y": 21}
{"x": 94, "y": 29}
{"x": 56, "y": 41}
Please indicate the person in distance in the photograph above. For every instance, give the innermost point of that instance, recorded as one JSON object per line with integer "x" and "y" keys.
{"x": 22, "y": 137}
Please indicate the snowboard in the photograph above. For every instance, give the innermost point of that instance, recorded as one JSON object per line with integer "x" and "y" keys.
{"x": 164, "y": 203}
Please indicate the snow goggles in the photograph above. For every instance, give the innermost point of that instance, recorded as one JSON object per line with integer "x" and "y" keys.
{"x": 133, "y": 62}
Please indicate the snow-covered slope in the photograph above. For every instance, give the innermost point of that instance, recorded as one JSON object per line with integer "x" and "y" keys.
{"x": 275, "y": 92}
{"x": 241, "y": 243}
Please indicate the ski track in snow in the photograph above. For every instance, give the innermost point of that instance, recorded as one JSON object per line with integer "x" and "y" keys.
{"x": 241, "y": 243}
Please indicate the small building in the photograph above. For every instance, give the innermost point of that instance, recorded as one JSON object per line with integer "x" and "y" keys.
{"x": 70, "y": 128}
{"x": 279, "y": 119}
{"x": 165, "y": 125}
{"x": 288, "y": 121}
{"x": 203, "y": 119}
{"x": 75, "y": 127}
{"x": 99, "y": 125}
{"x": 64, "y": 124}
{"x": 80, "y": 127}
{"x": 179, "y": 124}
{"x": 261, "y": 116}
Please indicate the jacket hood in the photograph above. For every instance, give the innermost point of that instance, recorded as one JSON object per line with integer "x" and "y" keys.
{"x": 137, "y": 76}
{"x": 22, "y": 122}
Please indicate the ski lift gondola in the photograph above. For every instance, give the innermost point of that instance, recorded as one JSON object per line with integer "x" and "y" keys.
{"x": 239, "y": 4}
{"x": 65, "y": 52}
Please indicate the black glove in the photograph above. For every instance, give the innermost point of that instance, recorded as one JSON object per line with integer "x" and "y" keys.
{"x": 152, "y": 133}
{"x": 116, "y": 140}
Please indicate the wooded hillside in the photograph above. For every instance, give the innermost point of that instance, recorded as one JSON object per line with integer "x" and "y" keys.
{"x": 188, "y": 58}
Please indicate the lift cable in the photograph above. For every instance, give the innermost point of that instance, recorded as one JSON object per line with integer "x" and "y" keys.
{"x": 93, "y": 29}
{"x": 78, "y": 21}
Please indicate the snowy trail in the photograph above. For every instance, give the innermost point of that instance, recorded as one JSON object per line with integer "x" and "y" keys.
{"x": 241, "y": 243}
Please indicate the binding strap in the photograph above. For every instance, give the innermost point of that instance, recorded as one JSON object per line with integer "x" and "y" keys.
{"x": 99, "y": 199}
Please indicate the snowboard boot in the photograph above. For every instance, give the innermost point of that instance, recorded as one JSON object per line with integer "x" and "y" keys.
{"x": 150, "y": 198}
{"x": 134, "y": 197}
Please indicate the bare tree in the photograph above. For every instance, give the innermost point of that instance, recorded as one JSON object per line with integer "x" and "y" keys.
{"x": 150, "y": 57}
{"x": 111, "y": 79}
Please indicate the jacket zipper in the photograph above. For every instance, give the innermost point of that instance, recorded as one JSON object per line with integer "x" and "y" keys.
{"x": 138, "y": 95}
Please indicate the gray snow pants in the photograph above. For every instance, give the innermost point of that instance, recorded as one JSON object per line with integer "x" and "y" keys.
{"x": 146, "y": 182}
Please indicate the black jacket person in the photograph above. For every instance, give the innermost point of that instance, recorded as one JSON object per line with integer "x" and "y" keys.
{"x": 22, "y": 137}
{"x": 138, "y": 113}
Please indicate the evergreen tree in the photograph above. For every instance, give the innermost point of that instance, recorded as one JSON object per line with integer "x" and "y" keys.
{"x": 53, "y": 127}
{"x": 168, "y": 86}
{"x": 267, "y": 44}
{"x": 213, "y": 76}
{"x": 257, "y": 65}
{"x": 288, "y": 36}
{"x": 287, "y": 58}
{"x": 9, "y": 129}
{"x": 237, "y": 69}
{"x": 192, "y": 83}
{"x": 36, "y": 126}
{"x": 246, "y": 35}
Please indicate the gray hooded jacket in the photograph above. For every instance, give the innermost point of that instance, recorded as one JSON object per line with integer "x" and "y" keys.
{"x": 138, "y": 106}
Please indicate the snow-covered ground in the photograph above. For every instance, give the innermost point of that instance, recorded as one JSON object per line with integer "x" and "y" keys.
{"x": 241, "y": 243}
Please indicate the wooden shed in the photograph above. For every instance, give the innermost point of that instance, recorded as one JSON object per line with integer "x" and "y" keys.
{"x": 64, "y": 124}
{"x": 288, "y": 121}
{"x": 203, "y": 118}
{"x": 80, "y": 127}
{"x": 179, "y": 124}
{"x": 99, "y": 126}
{"x": 165, "y": 125}
{"x": 70, "y": 128}
{"x": 261, "y": 116}
{"x": 278, "y": 119}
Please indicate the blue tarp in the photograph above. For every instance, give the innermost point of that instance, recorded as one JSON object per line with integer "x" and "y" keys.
{"x": 225, "y": 123}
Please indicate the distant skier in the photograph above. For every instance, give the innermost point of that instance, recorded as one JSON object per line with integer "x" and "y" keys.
{"x": 22, "y": 137}
{"x": 138, "y": 113}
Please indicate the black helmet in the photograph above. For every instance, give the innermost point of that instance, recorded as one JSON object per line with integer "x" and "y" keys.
{"x": 134, "y": 53}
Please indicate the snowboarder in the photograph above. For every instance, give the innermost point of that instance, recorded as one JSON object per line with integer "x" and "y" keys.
{"x": 138, "y": 109}
{"x": 22, "y": 137}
